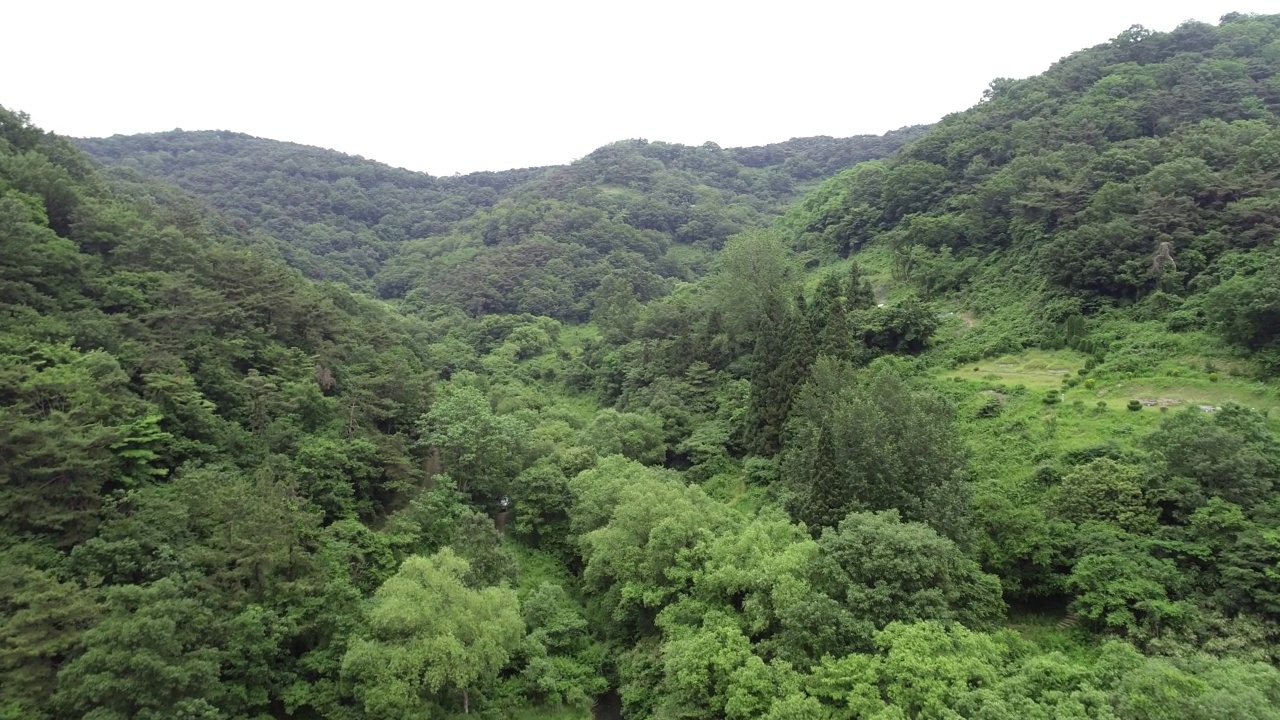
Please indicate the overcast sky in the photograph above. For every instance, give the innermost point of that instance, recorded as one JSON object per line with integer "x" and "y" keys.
{"x": 460, "y": 86}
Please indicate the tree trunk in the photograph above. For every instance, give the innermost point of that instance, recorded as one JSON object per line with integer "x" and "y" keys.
{"x": 466, "y": 703}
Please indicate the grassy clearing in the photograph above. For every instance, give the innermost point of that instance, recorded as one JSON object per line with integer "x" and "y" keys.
{"x": 1033, "y": 417}
{"x": 1048, "y": 633}
{"x": 1033, "y": 369}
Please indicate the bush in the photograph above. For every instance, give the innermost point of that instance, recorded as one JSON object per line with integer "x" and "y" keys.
{"x": 990, "y": 408}
{"x": 1102, "y": 404}
{"x": 1213, "y": 377}
{"x": 1135, "y": 405}
{"x": 1050, "y": 398}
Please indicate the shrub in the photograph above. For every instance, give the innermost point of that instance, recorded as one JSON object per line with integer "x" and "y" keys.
{"x": 1089, "y": 383}
{"x": 990, "y": 408}
{"x": 1135, "y": 405}
{"x": 1213, "y": 377}
{"x": 1050, "y": 398}
{"x": 1102, "y": 404}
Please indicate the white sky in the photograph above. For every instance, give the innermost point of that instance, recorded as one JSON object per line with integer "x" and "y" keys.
{"x": 487, "y": 85}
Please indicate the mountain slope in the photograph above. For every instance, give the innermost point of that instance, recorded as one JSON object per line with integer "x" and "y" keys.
{"x": 652, "y": 210}
{"x": 1142, "y": 170}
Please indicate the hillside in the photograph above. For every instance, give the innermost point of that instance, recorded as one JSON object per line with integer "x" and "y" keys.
{"x": 538, "y": 240}
{"x": 1138, "y": 174}
{"x": 981, "y": 428}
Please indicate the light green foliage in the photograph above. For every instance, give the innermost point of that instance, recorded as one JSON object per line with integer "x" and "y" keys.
{"x": 561, "y": 660}
{"x": 427, "y": 633}
{"x": 700, "y": 666}
{"x": 1121, "y": 585}
{"x": 640, "y": 536}
{"x": 765, "y": 569}
{"x": 753, "y": 273}
{"x": 481, "y": 451}
{"x": 632, "y": 435}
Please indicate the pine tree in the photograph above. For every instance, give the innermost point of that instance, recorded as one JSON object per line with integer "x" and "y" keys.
{"x": 858, "y": 294}
{"x": 825, "y": 299}
{"x": 781, "y": 362}
{"x": 836, "y": 338}
{"x": 765, "y": 357}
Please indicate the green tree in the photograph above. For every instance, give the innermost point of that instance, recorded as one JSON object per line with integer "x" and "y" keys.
{"x": 858, "y": 293}
{"x": 1104, "y": 491}
{"x": 562, "y": 662}
{"x": 633, "y": 435}
{"x": 872, "y": 442}
{"x": 482, "y": 451}
{"x": 43, "y": 626}
{"x": 780, "y": 362}
{"x": 754, "y": 275}
{"x": 884, "y": 570}
{"x": 152, "y": 656}
{"x": 426, "y": 632}
{"x": 1232, "y": 454}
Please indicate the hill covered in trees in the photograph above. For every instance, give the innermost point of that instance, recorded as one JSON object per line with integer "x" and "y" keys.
{"x": 538, "y": 240}
{"x": 1140, "y": 171}
{"x": 985, "y": 428}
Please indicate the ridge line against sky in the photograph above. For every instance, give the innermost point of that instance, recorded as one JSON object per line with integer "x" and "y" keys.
{"x": 453, "y": 87}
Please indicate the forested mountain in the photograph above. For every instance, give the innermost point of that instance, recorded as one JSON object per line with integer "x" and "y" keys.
{"x": 985, "y": 428}
{"x": 538, "y": 240}
{"x": 1145, "y": 169}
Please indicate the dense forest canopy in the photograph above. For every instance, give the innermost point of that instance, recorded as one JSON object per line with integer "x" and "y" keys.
{"x": 538, "y": 240}
{"x": 1142, "y": 169}
{"x": 971, "y": 421}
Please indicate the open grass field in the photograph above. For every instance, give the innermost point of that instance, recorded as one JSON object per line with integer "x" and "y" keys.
{"x": 1032, "y": 416}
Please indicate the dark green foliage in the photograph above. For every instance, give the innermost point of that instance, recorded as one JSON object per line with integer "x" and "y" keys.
{"x": 228, "y": 491}
{"x": 872, "y": 442}
{"x": 779, "y": 365}
{"x": 561, "y": 661}
{"x": 1246, "y": 307}
{"x": 1231, "y": 454}
{"x": 178, "y": 417}
{"x": 904, "y": 327}
{"x": 884, "y": 570}
{"x": 538, "y": 240}
{"x": 1141, "y": 168}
